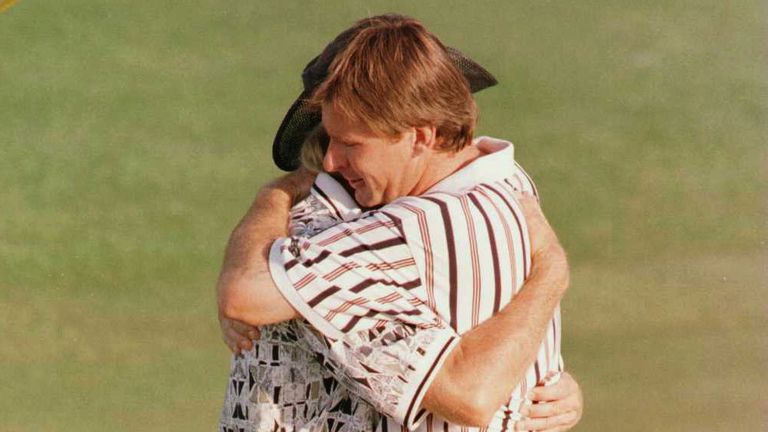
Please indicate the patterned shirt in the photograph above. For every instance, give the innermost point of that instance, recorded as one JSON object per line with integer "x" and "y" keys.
{"x": 391, "y": 290}
{"x": 282, "y": 384}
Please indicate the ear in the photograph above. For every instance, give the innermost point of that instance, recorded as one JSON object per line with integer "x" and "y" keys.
{"x": 424, "y": 138}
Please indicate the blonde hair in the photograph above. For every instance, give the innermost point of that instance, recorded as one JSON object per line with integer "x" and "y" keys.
{"x": 313, "y": 149}
{"x": 395, "y": 74}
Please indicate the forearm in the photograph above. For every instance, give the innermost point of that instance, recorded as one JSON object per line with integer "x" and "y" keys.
{"x": 245, "y": 270}
{"x": 493, "y": 357}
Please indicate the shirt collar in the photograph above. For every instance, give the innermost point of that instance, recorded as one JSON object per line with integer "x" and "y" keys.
{"x": 331, "y": 193}
{"x": 495, "y": 165}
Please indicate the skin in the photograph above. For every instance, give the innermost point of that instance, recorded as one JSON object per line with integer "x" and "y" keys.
{"x": 467, "y": 390}
{"x": 381, "y": 168}
{"x": 556, "y": 407}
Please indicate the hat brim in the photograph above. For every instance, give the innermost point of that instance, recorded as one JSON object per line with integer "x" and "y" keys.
{"x": 301, "y": 119}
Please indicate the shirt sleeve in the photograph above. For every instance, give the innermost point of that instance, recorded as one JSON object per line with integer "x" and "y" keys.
{"x": 390, "y": 366}
{"x": 354, "y": 283}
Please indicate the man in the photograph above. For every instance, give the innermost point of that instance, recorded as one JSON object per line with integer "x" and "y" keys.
{"x": 408, "y": 134}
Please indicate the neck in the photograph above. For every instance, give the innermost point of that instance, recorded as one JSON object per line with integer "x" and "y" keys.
{"x": 443, "y": 164}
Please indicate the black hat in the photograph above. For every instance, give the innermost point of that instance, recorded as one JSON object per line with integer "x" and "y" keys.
{"x": 301, "y": 118}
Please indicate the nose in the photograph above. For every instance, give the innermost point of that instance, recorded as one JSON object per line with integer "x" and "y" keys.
{"x": 333, "y": 160}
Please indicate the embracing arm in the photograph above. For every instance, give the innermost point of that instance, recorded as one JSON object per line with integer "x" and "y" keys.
{"x": 468, "y": 388}
{"x": 245, "y": 289}
{"x": 481, "y": 372}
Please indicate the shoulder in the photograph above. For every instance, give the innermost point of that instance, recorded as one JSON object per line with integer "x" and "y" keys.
{"x": 446, "y": 211}
{"x": 413, "y": 208}
{"x": 522, "y": 180}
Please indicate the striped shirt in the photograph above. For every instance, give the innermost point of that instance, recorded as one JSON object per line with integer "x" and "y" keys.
{"x": 412, "y": 275}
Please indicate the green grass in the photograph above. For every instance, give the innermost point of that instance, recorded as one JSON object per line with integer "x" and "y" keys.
{"x": 133, "y": 135}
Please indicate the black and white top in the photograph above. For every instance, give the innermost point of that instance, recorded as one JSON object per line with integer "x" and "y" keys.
{"x": 282, "y": 384}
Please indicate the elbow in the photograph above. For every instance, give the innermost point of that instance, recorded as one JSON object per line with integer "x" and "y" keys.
{"x": 467, "y": 404}
{"x": 228, "y": 305}
{"x": 463, "y": 396}
{"x": 235, "y": 305}
{"x": 472, "y": 412}
{"x": 478, "y": 411}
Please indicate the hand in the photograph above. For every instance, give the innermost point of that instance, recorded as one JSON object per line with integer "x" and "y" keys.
{"x": 557, "y": 407}
{"x": 543, "y": 237}
{"x": 237, "y": 335}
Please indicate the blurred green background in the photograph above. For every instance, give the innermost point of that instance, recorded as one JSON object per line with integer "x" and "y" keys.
{"x": 134, "y": 134}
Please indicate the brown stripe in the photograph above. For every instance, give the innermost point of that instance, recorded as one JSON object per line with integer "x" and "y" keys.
{"x": 355, "y": 319}
{"x": 508, "y": 241}
{"x": 323, "y": 295}
{"x": 474, "y": 259}
{"x": 429, "y": 268}
{"x": 429, "y": 373}
{"x": 309, "y": 262}
{"x": 397, "y": 221}
{"x": 419, "y": 415}
{"x": 373, "y": 312}
{"x": 372, "y": 247}
{"x": 363, "y": 285}
{"x": 494, "y": 254}
{"x": 409, "y": 285}
{"x": 452, "y": 270}
{"x": 519, "y": 227}
{"x": 330, "y": 202}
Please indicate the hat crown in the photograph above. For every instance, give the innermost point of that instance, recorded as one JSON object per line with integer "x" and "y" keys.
{"x": 317, "y": 69}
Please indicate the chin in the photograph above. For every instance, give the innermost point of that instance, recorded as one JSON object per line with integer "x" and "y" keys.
{"x": 366, "y": 200}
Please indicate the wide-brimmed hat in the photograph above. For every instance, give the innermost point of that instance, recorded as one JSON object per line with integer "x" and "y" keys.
{"x": 302, "y": 118}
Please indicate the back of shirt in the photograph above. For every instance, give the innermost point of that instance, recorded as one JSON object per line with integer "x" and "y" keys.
{"x": 473, "y": 254}
{"x": 391, "y": 290}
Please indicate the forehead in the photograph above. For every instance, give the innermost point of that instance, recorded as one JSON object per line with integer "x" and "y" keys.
{"x": 338, "y": 125}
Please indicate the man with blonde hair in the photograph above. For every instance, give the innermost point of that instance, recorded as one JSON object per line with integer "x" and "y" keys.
{"x": 442, "y": 253}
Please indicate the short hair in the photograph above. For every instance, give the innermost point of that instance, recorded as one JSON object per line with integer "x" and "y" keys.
{"x": 394, "y": 74}
{"x": 313, "y": 149}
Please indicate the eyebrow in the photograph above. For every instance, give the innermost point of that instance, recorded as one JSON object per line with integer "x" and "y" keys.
{"x": 345, "y": 141}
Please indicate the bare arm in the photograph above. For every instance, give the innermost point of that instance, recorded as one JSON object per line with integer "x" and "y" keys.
{"x": 469, "y": 388}
{"x": 245, "y": 288}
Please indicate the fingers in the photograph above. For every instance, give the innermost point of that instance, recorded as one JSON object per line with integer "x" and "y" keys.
{"x": 547, "y": 409}
{"x": 562, "y": 385}
{"x": 556, "y": 407}
{"x": 560, "y": 422}
{"x": 234, "y": 340}
{"x": 245, "y": 330}
{"x": 239, "y": 342}
{"x": 238, "y": 336}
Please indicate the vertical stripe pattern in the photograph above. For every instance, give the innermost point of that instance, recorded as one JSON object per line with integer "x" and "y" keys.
{"x": 452, "y": 257}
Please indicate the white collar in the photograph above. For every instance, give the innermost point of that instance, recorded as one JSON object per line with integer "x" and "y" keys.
{"x": 333, "y": 195}
{"x": 496, "y": 164}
